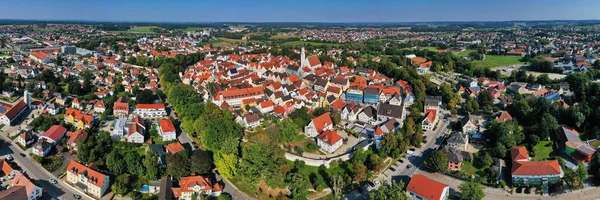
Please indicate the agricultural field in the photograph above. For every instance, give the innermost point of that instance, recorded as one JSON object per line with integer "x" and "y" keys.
{"x": 191, "y": 29}
{"x": 492, "y": 61}
{"x": 283, "y": 37}
{"x": 142, "y": 29}
{"x": 300, "y": 43}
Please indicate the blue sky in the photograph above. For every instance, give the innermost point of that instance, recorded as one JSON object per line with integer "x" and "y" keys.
{"x": 299, "y": 10}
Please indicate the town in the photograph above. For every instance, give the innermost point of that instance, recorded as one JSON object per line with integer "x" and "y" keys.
{"x": 259, "y": 111}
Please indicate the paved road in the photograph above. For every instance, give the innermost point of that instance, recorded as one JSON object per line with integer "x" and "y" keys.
{"x": 37, "y": 173}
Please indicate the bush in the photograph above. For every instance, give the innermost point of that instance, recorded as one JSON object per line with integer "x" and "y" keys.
{"x": 310, "y": 147}
{"x": 299, "y": 150}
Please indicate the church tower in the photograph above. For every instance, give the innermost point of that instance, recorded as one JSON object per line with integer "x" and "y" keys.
{"x": 27, "y": 98}
{"x": 302, "y": 58}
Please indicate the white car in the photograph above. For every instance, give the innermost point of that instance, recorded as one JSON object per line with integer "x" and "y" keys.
{"x": 9, "y": 157}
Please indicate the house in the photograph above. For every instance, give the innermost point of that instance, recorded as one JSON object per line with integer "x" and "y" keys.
{"x": 368, "y": 115}
{"x": 192, "y": 187}
{"x": 251, "y": 120}
{"x": 175, "y": 148}
{"x": 87, "y": 178}
{"x": 350, "y": 111}
{"x": 74, "y": 137}
{"x": 99, "y": 106}
{"x": 430, "y": 120}
{"x": 61, "y": 99}
{"x": 424, "y": 68}
{"x": 455, "y": 158}
{"x": 572, "y": 145}
{"x": 167, "y": 130}
{"x": 458, "y": 140}
{"x": 8, "y": 113}
{"x": 26, "y": 138}
{"x": 135, "y": 130}
{"x": 53, "y": 108}
{"x": 432, "y": 102}
{"x": 423, "y": 188}
{"x": 371, "y": 95}
{"x": 387, "y": 111}
{"x": 469, "y": 125}
{"x": 121, "y": 107}
{"x": 76, "y": 104}
{"x": 150, "y": 110}
{"x": 32, "y": 191}
{"x": 503, "y": 117}
{"x": 16, "y": 192}
{"x": 390, "y": 126}
{"x": 318, "y": 125}
{"x": 533, "y": 173}
{"x": 329, "y": 141}
{"x": 48, "y": 140}
{"x": 266, "y": 106}
{"x": 78, "y": 119}
{"x": 118, "y": 129}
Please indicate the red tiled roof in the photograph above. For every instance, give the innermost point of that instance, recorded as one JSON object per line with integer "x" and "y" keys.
{"x": 55, "y": 132}
{"x": 313, "y": 60}
{"x": 519, "y": 153}
{"x": 425, "y": 187}
{"x": 504, "y": 116}
{"x": 73, "y": 136}
{"x": 533, "y": 168}
{"x": 93, "y": 176}
{"x": 239, "y": 93}
{"x": 166, "y": 125}
{"x": 175, "y": 147}
{"x": 14, "y": 110}
{"x": 266, "y": 104}
{"x": 330, "y": 137}
{"x": 431, "y": 114}
{"x": 22, "y": 180}
{"x": 321, "y": 122}
{"x": 151, "y": 106}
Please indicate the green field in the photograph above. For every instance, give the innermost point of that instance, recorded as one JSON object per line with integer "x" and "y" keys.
{"x": 543, "y": 151}
{"x": 468, "y": 168}
{"x": 429, "y": 48}
{"x": 465, "y": 52}
{"x": 191, "y": 29}
{"x": 492, "y": 61}
{"x": 3, "y": 54}
{"x": 283, "y": 37}
{"x": 300, "y": 43}
{"x": 142, "y": 29}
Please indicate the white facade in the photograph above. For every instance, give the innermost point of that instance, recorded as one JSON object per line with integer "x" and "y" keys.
{"x": 150, "y": 112}
{"x": 329, "y": 148}
{"x": 166, "y": 136}
{"x": 446, "y": 193}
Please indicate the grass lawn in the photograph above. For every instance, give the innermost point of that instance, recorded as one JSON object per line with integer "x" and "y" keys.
{"x": 468, "y": 168}
{"x": 142, "y": 29}
{"x": 300, "y": 43}
{"x": 492, "y": 61}
{"x": 543, "y": 151}
{"x": 465, "y": 52}
{"x": 429, "y": 48}
{"x": 3, "y": 54}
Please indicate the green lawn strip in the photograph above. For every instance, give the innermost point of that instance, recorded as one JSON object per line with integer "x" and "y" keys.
{"x": 543, "y": 151}
{"x": 300, "y": 43}
{"x": 492, "y": 61}
{"x": 468, "y": 168}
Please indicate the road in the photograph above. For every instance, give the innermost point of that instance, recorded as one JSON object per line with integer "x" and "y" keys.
{"x": 37, "y": 173}
{"x": 229, "y": 188}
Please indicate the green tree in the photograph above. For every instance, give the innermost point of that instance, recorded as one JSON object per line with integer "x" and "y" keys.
{"x": 115, "y": 162}
{"x": 178, "y": 165}
{"x": 133, "y": 161}
{"x": 471, "y": 190}
{"x": 122, "y": 184}
{"x": 437, "y": 161}
{"x": 226, "y": 164}
{"x": 262, "y": 160}
{"x": 153, "y": 169}
{"x": 471, "y": 106}
{"x": 144, "y": 97}
{"x": 389, "y": 191}
{"x": 288, "y": 130}
{"x": 201, "y": 162}
{"x": 299, "y": 185}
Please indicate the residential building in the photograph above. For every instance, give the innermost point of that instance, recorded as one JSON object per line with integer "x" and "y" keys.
{"x": 422, "y": 188}
{"x": 318, "y": 125}
{"x": 135, "y": 130}
{"x": 504, "y": 116}
{"x": 121, "y": 108}
{"x": 251, "y": 120}
{"x": 150, "y": 110}
{"x": 16, "y": 192}
{"x": 430, "y": 120}
{"x": 368, "y": 115}
{"x": 167, "y": 130}
{"x": 26, "y": 138}
{"x": 371, "y": 95}
{"x": 350, "y": 111}
{"x": 8, "y": 113}
{"x": 175, "y": 148}
{"x": 48, "y": 140}
{"x": 99, "y": 106}
{"x": 87, "y": 178}
{"x": 469, "y": 125}
{"x": 235, "y": 96}
{"x": 458, "y": 140}
{"x": 353, "y": 94}
{"x": 533, "y": 173}
{"x": 329, "y": 141}
{"x": 74, "y": 137}
{"x": 192, "y": 187}
{"x": 52, "y": 108}
{"x": 432, "y": 102}
{"x": 387, "y": 111}
{"x": 33, "y": 191}
{"x": 78, "y": 119}
{"x": 455, "y": 158}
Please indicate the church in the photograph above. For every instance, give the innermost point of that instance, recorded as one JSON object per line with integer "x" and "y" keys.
{"x": 307, "y": 65}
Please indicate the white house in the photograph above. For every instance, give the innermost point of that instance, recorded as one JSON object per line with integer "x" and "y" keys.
{"x": 329, "y": 141}
{"x": 150, "y": 110}
{"x": 318, "y": 125}
{"x": 167, "y": 130}
{"x": 430, "y": 120}
{"x": 423, "y": 188}
{"x": 33, "y": 191}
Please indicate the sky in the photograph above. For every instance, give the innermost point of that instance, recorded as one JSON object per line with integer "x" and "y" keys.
{"x": 299, "y": 10}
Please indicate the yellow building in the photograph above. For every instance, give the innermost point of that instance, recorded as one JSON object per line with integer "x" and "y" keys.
{"x": 87, "y": 179}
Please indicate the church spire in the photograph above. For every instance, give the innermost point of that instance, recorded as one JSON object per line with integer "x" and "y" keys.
{"x": 302, "y": 58}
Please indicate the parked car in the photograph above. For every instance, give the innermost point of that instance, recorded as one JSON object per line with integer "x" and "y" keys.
{"x": 401, "y": 161}
{"x": 9, "y": 157}
{"x": 53, "y": 181}
{"x": 393, "y": 169}
{"x": 76, "y": 196}
{"x": 408, "y": 166}
{"x": 23, "y": 155}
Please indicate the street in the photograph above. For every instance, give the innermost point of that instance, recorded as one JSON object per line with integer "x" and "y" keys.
{"x": 37, "y": 173}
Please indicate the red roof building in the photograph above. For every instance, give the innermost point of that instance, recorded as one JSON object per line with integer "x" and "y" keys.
{"x": 421, "y": 187}
{"x": 175, "y": 147}
{"x": 54, "y": 133}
